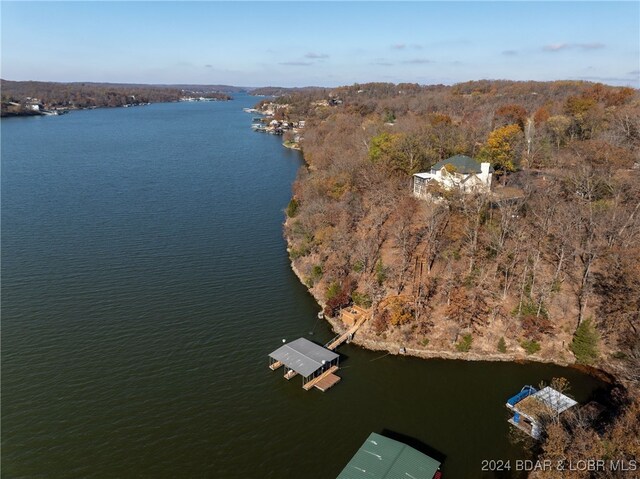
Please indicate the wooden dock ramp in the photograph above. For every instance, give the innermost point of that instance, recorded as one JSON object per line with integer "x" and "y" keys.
{"x": 349, "y": 333}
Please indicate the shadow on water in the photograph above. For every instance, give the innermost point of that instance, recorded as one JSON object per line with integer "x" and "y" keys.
{"x": 417, "y": 444}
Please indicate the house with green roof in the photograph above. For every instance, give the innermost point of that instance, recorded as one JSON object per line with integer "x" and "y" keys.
{"x": 458, "y": 172}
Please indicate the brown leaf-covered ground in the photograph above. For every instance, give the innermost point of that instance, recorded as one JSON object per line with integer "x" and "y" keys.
{"x": 510, "y": 274}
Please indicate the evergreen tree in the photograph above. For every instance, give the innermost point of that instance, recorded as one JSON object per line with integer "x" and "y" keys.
{"x": 585, "y": 343}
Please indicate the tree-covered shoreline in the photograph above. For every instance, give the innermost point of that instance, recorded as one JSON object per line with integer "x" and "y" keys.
{"x": 563, "y": 206}
{"x": 25, "y": 98}
{"x": 544, "y": 267}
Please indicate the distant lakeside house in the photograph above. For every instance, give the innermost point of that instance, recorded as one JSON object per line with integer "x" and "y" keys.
{"x": 458, "y": 172}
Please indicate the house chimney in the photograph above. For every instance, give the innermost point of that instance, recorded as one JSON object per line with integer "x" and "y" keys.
{"x": 484, "y": 168}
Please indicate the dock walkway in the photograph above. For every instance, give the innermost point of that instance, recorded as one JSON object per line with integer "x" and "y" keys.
{"x": 350, "y": 332}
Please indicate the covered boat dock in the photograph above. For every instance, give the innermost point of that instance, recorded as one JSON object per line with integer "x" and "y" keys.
{"x": 314, "y": 363}
{"x": 531, "y": 408}
{"x": 383, "y": 458}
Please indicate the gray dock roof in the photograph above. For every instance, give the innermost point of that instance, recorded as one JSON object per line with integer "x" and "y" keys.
{"x": 555, "y": 399}
{"x": 303, "y": 356}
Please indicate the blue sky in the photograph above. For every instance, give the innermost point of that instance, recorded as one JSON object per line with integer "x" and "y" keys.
{"x": 323, "y": 43}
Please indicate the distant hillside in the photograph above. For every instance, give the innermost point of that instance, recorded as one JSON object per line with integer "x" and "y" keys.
{"x": 21, "y": 97}
{"x": 229, "y": 89}
{"x": 280, "y": 91}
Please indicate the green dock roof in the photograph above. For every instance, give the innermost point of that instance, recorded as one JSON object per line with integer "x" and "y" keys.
{"x": 383, "y": 458}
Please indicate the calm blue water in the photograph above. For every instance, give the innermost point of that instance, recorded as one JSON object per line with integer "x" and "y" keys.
{"x": 144, "y": 282}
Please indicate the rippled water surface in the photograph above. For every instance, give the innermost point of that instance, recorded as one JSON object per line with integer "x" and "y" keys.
{"x": 144, "y": 282}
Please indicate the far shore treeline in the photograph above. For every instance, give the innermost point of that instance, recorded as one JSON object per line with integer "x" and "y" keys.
{"x": 20, "y": 98}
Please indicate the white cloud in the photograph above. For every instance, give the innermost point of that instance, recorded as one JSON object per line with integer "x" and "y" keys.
{"x": 556, "y": 47}
{"x": 590, "y": 46}
{"x": 316, "y": 55}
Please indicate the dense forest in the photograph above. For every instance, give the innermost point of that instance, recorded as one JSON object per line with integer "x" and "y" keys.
{"x": 19, "y": 96}
{"x": 546, "y": 266}
{"x": 281, "y": 91}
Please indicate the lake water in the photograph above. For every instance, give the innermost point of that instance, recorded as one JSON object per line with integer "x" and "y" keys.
{"x": 145, "y": 280}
